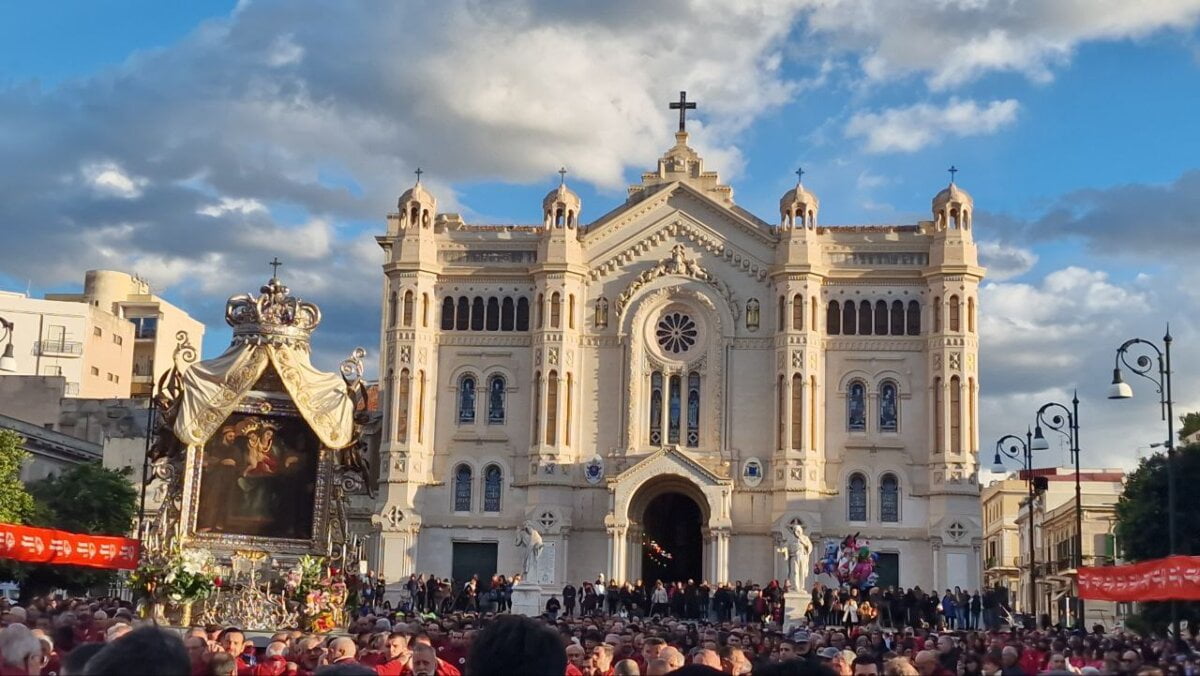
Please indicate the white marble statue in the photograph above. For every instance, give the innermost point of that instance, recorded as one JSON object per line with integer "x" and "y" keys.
{"x": 531, "y": 539}
{"x": 797, "y": 547}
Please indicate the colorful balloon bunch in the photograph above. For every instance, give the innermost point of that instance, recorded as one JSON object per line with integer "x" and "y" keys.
{"x": 851, "y": 561}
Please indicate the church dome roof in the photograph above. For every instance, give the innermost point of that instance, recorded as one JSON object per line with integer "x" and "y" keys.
{"x": 797, "y": 195}
{"x": 952, "y": 193}
{"x": 561, "y": 194}
{"x": 416, "y": 193}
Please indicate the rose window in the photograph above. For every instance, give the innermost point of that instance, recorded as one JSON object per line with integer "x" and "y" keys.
{"x": 676, "y": 332}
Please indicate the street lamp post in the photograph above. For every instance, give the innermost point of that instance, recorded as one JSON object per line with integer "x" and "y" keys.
{"x": 1023, "y": 449}
{"x": 1066, "y": 421}
{"x": 8, "y": 362}
{"x": 1143, "y": 366}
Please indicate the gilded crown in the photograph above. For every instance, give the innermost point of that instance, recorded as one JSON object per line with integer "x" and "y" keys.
{"x": 275, "y": 317}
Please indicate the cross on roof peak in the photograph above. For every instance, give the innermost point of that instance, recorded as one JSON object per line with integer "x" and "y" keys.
{"x": 418, "y": 172}
{"x": 562, "y": 176}
{"x": 682, "y": 105}
{"x": 275, "y": 266}
{"x": 799, "y": 175}
{"x": 953, "y": 170}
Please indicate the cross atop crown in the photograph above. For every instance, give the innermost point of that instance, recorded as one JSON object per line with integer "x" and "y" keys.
{"x": 682, "y": 105}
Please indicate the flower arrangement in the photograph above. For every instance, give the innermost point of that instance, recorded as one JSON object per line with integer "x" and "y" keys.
{"x": 181, "y": 577}
{"x": 657, "y": 552}
{"x": 320, "y": 593}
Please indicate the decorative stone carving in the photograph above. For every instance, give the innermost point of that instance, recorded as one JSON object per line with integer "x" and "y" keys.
{"x": 797, "y": 359}
{"x": 405, "y": 354}
{"x": 552, "y": 356}
{"x": 679, "y": 265}
{"x": 955, "y": 361}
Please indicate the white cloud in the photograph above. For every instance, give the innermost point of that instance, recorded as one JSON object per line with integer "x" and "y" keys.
{"x": 108, "y": 178}
{"x": 232, "y": 205}
{"x": 1004, "y": 261}
{"x": 953, "y": 42}
{"x": 911, "y": 128}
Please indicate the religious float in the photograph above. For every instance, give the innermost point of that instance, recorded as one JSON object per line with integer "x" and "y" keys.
{"x": 257, "y": 455}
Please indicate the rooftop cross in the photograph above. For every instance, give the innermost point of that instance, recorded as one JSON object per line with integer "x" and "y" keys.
{"x": 418, "y": 172}
{"x": 953, "y": 170}
{"x": 683, "y": 105}
{"x": 562, "y": 176}
{"x": 799, "y": 175}
{"x": 275, "y": 266}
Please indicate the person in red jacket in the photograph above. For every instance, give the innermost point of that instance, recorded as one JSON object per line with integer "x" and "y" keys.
{"x": 233, "y": 642}
{"x": 396, "y": 657}
{"x": 274, "y": 663}
{"x": 425, "y": 662}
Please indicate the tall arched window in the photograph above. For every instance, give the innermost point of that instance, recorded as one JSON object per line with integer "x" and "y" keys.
{"x": 833, "y": 319}
{"x": 522, "y": 314}
{"x": 955, "y": 415}
{"x": 937, "y": 315}
{"x": 570, "y": 311}
{"x": 420, "y": 407}
{"x": 797, "y": 411}
{"x": 939, "y": 416}
{"x": 864, "y": 317}
{"x": 812, "y": 412}
{"x": 797, "y": 312}
{"x": 541, "y": 311}
{"x": 477, "y": 314}
{"x": 970, "y": 315}
{"x": 881, "y": 318}
{"x": 493, "y": 486}
{"x": 497, "y": 392}
{"x": 693, "y": 410}
{"x": 889, "y": 407}
{"x": 856, "y": 406}
{"x": 897, "y": 323}
{"x": 537, "y": 406}
{"x": 425, "y": 310}
{"x": 552, "y": 408}
{"x": 782, "y": 408}
{"x": 402, "y": 387}
{"x": 848, "y": 319}
{"x": 462, "y": 316}
{"x": 555, "y": 310}
{"x": 856, "y": 494}
{"x": 392, "y": 310}
{"x": 812, "y": 304}
{"x": 409, "y": 300}
{"x": 448, "y": 314}
{"x": 889, "y": 499}
{"x": 506, "y": 314}
{"x": 914, "y": 318}
{"x": 656, "y": 402}
{"x": 462, "y": 488}
{"x": 492, "y": 322}
{"x": 782, "y": 312}
{"x": 954, "y": 323}
{"x": 466, "y": 400}
{"x": 568, "y": 400}
{"x": 971, "y": 438}
{"x": 674, "y": 409}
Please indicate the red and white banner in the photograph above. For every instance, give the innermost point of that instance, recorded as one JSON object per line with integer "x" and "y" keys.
{"x": 44, "y": 545}
{"x": 1172, "y": 578}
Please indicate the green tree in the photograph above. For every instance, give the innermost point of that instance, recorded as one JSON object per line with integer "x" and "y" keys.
{"x": 16, "y": 505}
{"x": 86, "y": 498}
{"x": 1189, "y": 423}
{"x": 1142, "y": 523}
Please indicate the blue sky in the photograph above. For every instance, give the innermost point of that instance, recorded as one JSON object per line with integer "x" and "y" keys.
{"x": 191, "y": 142}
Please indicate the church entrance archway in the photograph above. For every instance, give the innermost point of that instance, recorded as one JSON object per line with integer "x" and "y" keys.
{"x": 672, "y": 544}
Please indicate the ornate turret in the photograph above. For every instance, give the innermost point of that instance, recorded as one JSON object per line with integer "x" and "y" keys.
{"x": 417, "y": 206}
{"x": 953, "y": 207}
{"x": 560, "y": 207}
{"x": 798, "y": 207}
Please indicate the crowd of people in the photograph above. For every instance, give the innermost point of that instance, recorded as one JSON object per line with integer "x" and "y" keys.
{"x": 669, "y": 629}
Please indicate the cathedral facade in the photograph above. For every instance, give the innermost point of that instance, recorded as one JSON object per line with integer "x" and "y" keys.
{"x": 662, "y": 391}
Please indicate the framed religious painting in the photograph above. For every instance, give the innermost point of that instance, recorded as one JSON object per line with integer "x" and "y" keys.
{"x": 261, "y": 480}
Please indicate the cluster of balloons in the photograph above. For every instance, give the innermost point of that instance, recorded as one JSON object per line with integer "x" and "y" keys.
{"x": 851, "y": 562}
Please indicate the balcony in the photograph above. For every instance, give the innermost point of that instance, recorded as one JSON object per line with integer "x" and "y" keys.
{"x": 58, "y": 348}
{"x": 999, "y": 563}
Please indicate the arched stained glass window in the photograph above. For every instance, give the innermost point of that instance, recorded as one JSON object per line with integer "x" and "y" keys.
{"x": 674, "y": 406}
{"x": 555, "y": 310}
{"x": 496, "y": 395}
{"x": 409, "y": 299}
{"x": 856, "y": 406}
{"x": 493, "y": 486}
{"x": 797, "y": 312}
{"x": 462, "y": 488}
{"x": 856, "y": 498}
{"x": 889, "y": 407}
{"x": 889, "y": 499}
{"x": 656, "y": 401}
{"x": 402, "y": 405}
{"x": 693, "y": 411}
{"x": 466, "y": 400}
{"x": 954, "y": 314}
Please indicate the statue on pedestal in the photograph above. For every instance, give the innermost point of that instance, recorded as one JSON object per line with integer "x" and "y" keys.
{"x": 531, "y": 539}
{"x": 797, "y": 547}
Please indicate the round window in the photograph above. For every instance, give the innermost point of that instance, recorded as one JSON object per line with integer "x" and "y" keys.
{"x": 676, "y": 332}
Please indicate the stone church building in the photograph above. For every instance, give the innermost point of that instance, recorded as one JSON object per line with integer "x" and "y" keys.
{"x": 664, "y": 389}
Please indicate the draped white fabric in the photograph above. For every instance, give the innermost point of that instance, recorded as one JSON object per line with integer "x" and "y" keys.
{"x": 212, "y": 388}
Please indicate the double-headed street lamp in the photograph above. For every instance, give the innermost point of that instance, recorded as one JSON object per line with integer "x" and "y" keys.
{"x": 1018, "y": 448}
{"x": 1143, "y": 366}
{"x": 1066, "y": 422}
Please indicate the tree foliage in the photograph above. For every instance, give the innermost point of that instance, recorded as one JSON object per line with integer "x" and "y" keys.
{"x": 1188, "y": 423}
{"x": 1142, "y": 521}
{"x": 16, "y": 505}
{"x": 86, "y": 498}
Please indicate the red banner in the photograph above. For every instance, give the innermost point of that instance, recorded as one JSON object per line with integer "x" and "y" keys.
{"x": 44, "y": 545}
{"x": 1173, "y": 578}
